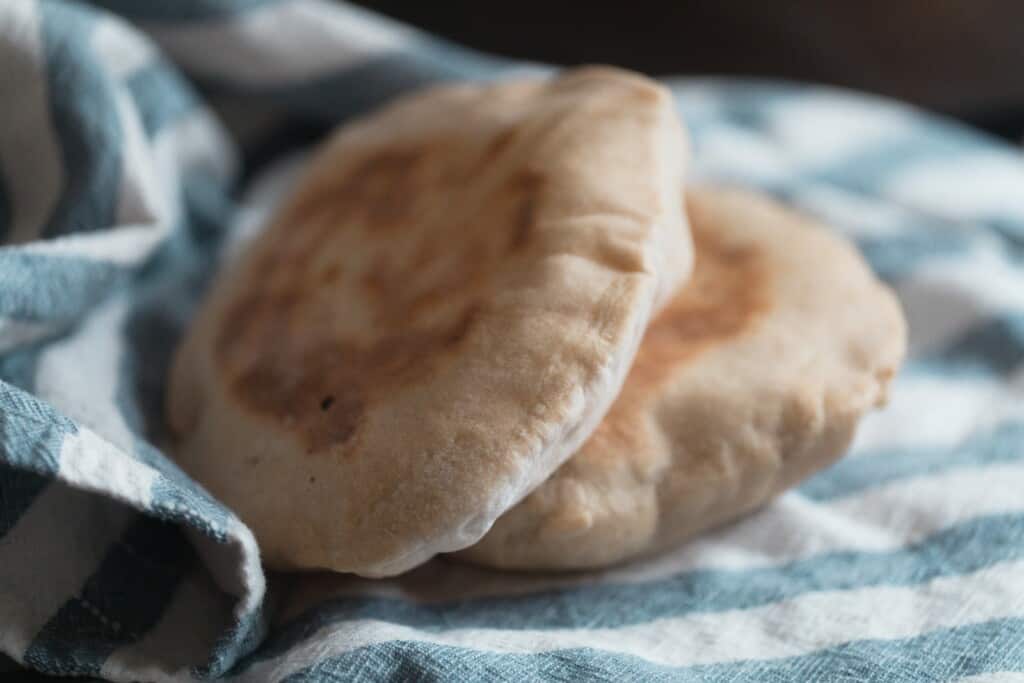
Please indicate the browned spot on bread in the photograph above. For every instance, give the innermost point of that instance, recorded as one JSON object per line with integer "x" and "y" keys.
{"x": 372, "y": 192}
{"x": 323, "y": 396}
{"x": 284, "y": 347}
{"x": 729, "y": 290}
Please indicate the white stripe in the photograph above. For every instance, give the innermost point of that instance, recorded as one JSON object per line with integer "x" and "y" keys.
{"x": 48, "y": 555}
{"x": 90, "y": 463}
{"x": 995, "y": 677}
{"x": 30, "y": 161}
{"x": 928, "y": 411}
{"x": 98, "y": 457}
{"x": 259, "y": 47}
{"x": 198, "y": 140}
{"x": 855, "y": 215}
{"x": 122, "y": 49}
{"x": 827, "y": 127}
{"x": 986, "y": 184}
{"x": 148, "y": 192}
{"x": 783, "y": 629}
{"x": 792, "y": 528}
{"x": 696, "y": 97}
{"x": 881, "y": 519}
{"x": 79, "y": 375}
{"x": 865, "y": 216}
{"x": 727, "y": 153}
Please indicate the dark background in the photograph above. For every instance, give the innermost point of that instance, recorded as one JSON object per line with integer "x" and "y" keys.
{"x": 961, "y": 57}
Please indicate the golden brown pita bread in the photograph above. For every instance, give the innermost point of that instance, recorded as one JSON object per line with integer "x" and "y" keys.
{"x": 752, "y": 378}
{"x": 437, "y": 319}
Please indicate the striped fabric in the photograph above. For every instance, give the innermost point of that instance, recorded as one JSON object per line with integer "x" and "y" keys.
{"x": 138, "y": 140}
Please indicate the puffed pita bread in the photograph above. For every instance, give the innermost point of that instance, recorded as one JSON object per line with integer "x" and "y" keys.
{"x": 437, "y": 319}
{"x": 752, "y": 378}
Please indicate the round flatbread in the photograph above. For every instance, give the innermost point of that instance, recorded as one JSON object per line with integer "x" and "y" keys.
{"x": 437, "y": 319}
{"x": 753, "y": 377}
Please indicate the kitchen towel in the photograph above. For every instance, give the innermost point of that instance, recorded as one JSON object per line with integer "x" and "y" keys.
{"x": 140, "y": 140}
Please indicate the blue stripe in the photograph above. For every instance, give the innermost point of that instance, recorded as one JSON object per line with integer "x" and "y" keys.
{"x": 209, "y": 209}
{"x": 118, "y": 604}
{"x": 151, "y": 333}
{"x": 239, "y": 640}
{"x": 18, "y": 489}
{"x": 931, "y": 367}
{"x": 38, "y": 286}
{"x": 872, "y": 166}
{"x": 996, "y": 346}
{"x": 31, "y": 436}
{"x": 18, "y": 367}
{"x": 180, "y": 10}
{"x": 164, "y": 298}
{"x": 31, "y": 432}
{"x": 1004, "y": 444}
{"x": 177, "y": 498}
{"x": 174, "y": 496}
{"x": 750, "y": 103}
{"x": 166, "y": 293}
{"x": 1011, "y": 229}
{"x": 896, "y": 256}
{"x": 991, "y": 646}
{"x": 161, "y": 96}
{"x": 960, "y": 549}
{"x": 84, "y": 114}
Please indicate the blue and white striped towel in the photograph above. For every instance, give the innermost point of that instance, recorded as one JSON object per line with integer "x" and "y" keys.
{"x": 132, "y": 137}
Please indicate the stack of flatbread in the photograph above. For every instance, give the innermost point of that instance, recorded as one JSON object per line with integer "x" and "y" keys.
{"x": 494, "y": 321}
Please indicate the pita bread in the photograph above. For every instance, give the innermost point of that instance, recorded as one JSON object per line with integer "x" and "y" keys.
{"x": 437, "y": 319}
{"x": 751, "y": 379}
